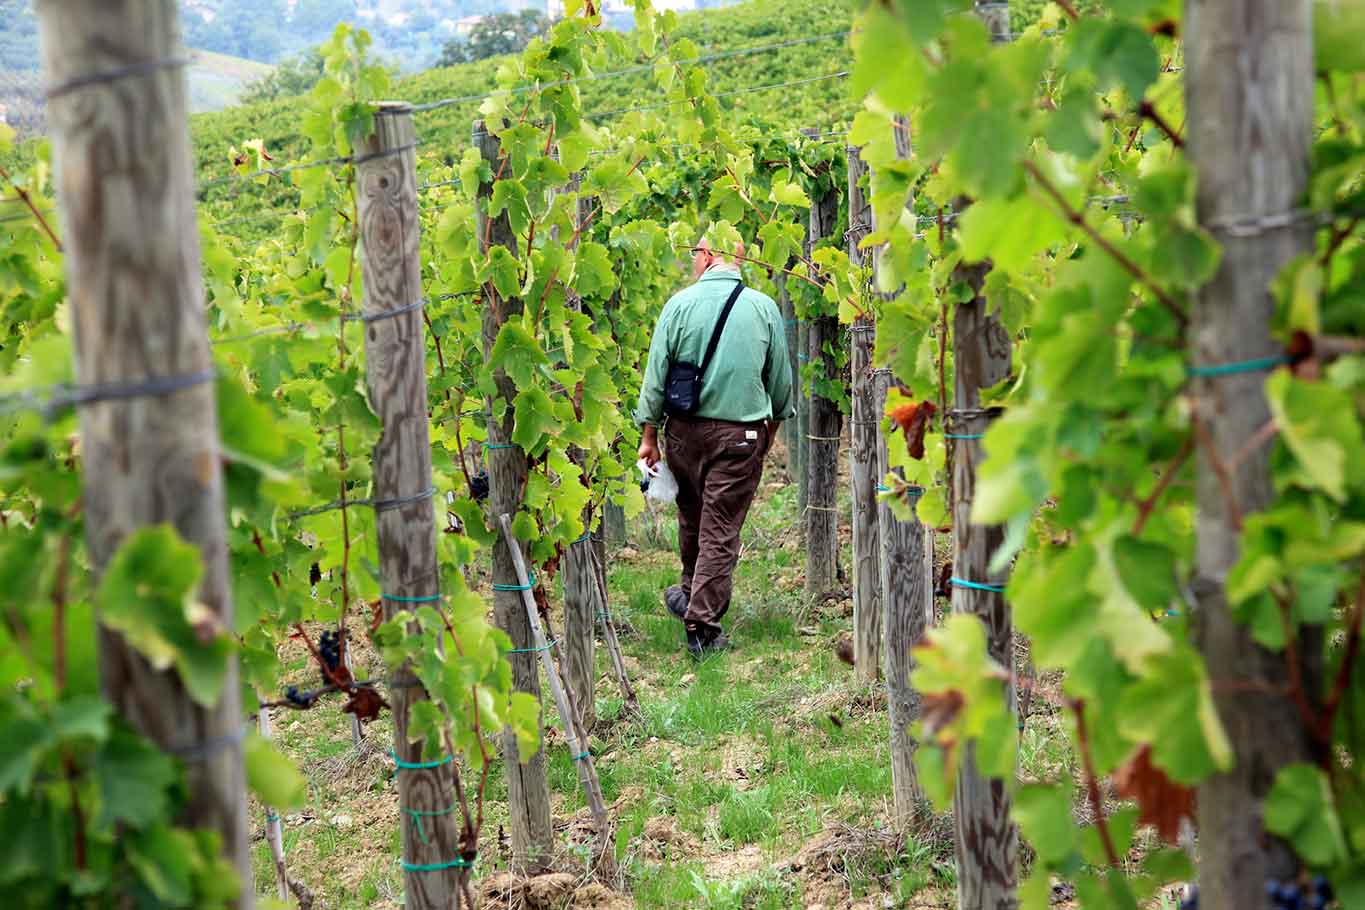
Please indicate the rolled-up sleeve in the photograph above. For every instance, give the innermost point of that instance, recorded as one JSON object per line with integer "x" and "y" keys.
{"x": 777, "y": 373}
{"x": 650, "y": 408}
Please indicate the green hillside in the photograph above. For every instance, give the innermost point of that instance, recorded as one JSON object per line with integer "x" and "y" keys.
{"x": 823, "y": 104}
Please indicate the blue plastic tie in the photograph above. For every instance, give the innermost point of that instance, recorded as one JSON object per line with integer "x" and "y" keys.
{"x": 525, "y": 587}
{"x": 545, "y": 647}
{"x": 418, "y": 814}
{"x": 1241, "y": 366}
{"x": 581, "y": 757}
{"x": 584, "y": 539}
{"x": 437, "y": 867}
{"x": 498, "y": 445}
{"x": 976, "y": 585}
{"x": 418, "y": 765}
{"x": 412, "y": 600}
{"x": 963, "y": 435}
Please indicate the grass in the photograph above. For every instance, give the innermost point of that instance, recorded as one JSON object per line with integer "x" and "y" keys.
{"x": 747, "y": 758}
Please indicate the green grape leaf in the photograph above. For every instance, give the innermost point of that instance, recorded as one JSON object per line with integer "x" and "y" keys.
{"x": 1318, "y": 423}
{"x": 271, "y": 776}
{"x": 1301, "y": 808}
{"x": 147, "y": 595}
{"x": 1044, "y": 816}
{"x": 134, "y": 780}
{"x": 1147, "y": 571}
{"x": 535, "y": 419}
{"x": 163, "y": 858}
{"x": 1171, "y": 707}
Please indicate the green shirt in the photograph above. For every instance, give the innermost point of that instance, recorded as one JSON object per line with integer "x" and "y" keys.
{"x": 749, "y": 378}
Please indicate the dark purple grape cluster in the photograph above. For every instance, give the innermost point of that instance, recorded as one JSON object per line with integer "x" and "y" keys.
{"x": 298, "y": 699}
{"x": 314, "y": 574}
{"x": 329, "y": 646}
{"x": 1283, "y": 895}
{"x": 478, "y": 486}
{"x": 1290, "y": 895}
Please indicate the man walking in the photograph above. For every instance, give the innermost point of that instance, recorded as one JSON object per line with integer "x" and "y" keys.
{"x": 716, "y": 449}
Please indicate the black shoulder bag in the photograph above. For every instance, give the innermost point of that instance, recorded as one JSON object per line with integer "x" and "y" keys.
{"x": 682, "y": 387}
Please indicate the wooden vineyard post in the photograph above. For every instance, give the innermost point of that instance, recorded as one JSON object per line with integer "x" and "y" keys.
{"x": 395, "y": 374}
{"x": 582, "y": 594}
{"x": 528, "y": 789}
{"x": 986, "y": 840}
{"x": 867, "y": 581}
{"x": 822, "y": 459}
{"x": 792, "y": 430}
{"x": 1250, "y": 134}
{"x": 905, "y": 578}
{"x": 148, "y": 418}
{"x": 799, "y": 332}
{"x": 574, "y": 735}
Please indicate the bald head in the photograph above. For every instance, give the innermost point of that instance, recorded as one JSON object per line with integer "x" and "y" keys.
{"x": 703, "y": 257}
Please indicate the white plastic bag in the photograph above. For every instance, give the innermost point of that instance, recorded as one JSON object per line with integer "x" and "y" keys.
{"x": 663, "y": 486}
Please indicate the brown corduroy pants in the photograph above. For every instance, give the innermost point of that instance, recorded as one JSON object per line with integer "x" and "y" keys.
{"x": 718, "y": 465}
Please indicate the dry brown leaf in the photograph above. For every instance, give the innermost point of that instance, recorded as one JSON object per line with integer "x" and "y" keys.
{"x": 1162, "y": 803}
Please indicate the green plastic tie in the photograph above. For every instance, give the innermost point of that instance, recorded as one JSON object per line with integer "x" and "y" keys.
{"x": 581, "y": 757}
{"x": 963, "y": 435}
{"x": 976, "y": 585}
{"x": 418, "y": 814}
{"x": 271, "y": 817}
{"x": 418, "y": 765}
{"x": 412, "y": 600}
{"x": 438, "y": 867}
{"x": 584, "y": 539}
{"x": 498, "y": 445}
{"x": 545, "y": 647}
{"x": 1240, "y": 366}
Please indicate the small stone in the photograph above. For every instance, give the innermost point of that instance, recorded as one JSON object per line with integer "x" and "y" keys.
{"x": 341, "y": 820}
{"x": 627, "y": 553}
{"x": 687, "y": 678}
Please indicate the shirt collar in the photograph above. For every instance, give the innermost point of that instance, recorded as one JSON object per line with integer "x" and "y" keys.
{"x": 722, "y": 271}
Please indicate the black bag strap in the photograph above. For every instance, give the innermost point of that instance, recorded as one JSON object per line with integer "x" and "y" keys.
{"x": 720, "y": 327}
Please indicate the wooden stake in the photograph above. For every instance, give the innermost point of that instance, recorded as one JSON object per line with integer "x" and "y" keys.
{"x": 867, "y": 582}
{"x": 906, "y": 579}
{"x": 574, "y": 736}
{"x": 1250, "y": 133}
{"x": 822, "y": 463}
{"x": 581, "y": 591}
{"x": 274, "y": 831}
{"x": 986, "y": 843}
{"x": 395, "y": 374}
{"x": 528, "y": 789}
{"x": 125, "y": 184}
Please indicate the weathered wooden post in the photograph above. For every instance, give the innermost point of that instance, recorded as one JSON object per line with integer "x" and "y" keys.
{"x": 799, "y": 351}
{"x": 528, "y": 790}
{"x": 582, "y": 593}
{"x": 822, "y": 458}
{"x": 792, "y": 430}
{"x": 867, "y": 582}
{"x": 986, "y": 842}
{"x": 1250, "y": 132}
{"x": 149, "y": 421}
{"x": 405, "y": 524}
{"x": 907, "y": 583}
